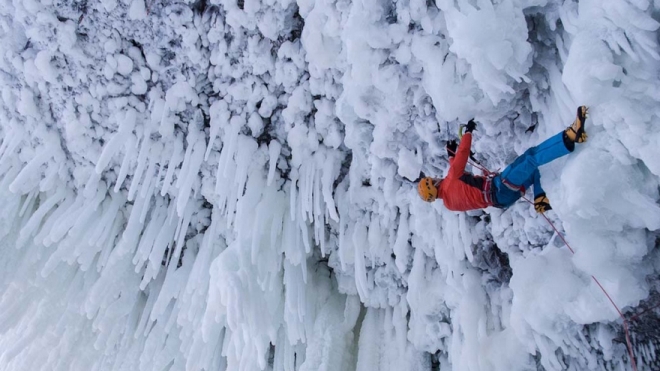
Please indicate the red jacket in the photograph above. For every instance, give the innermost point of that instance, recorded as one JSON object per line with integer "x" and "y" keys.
{"x": 462, "y": 191}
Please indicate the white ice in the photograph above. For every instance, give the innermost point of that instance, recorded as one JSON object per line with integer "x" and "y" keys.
{"x": 229, "y": 185}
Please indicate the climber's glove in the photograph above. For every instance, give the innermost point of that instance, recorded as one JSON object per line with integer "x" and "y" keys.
{"x": 451, "y": 148}
{"x": 542, "y": 204}
{"x": 471, "y": 125}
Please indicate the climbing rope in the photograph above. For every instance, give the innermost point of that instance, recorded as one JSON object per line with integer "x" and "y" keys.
{"x": 626, "y": 322}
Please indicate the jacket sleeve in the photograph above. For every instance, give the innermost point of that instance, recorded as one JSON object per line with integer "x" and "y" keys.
{"x": 457, "y": 167}
{"x": 537, "y": 183}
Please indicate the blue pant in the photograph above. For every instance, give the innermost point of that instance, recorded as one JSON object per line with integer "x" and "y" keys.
{"x": 524, "y": 172}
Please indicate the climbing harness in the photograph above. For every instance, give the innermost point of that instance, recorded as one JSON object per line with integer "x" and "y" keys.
{"x": 488, "y": 191}
{"x": 514, "y": 187}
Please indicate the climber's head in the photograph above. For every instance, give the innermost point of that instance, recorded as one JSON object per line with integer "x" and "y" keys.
{"x": 428, "y": 188}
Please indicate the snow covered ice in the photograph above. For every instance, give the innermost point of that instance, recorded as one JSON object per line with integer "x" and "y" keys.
{"x": 228, "y": 185}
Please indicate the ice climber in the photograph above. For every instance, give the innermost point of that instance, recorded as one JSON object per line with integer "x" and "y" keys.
{"x": 463, "y": 191}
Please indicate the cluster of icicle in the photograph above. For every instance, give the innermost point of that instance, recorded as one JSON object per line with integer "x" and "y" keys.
{"x": 137, "y": 256}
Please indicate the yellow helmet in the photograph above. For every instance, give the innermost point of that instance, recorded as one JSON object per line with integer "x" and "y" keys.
{"x": 427, "y": 189}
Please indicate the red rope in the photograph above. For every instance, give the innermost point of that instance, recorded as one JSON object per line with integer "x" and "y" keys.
{"x": 625, "y": 321}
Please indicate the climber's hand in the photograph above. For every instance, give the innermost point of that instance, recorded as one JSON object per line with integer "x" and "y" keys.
{"x": 542, "y": 204}
{"x": 471, "y": 125}
{"x": 451, "y": 148}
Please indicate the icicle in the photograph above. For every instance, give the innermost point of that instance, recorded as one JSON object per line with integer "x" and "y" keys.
{"x": 142, "y": 163}
{"x": 151, "y": 170}
{"x": 149, "y": 235}
{"x": 227, "y": 153}
{"x": 304, "y": 228}
{"x": 329, "y": 170}
{"x": 51, "y": 178}
{"x": 5, "y": 143}
{"x": 289, "y": 242}
{"x": 274, "y": 149}
{"x": 319, "y": 226}
{"x": 28, "y": 202}
{"x": 649, "y": 44}
{"x": 65, "y": 223}
{"x": 305, "y": 190}
{"x": 54, "y": 217}
{"x": 109, "y": 242}
{"x": 175, "y": 95}
{"x": 186, "y": 162}
{"x": 257, "y": 228}
{"x": 220, "y": 115}
{"x": 83, "y": 218}
{"x": 244, "y": 157}
{"x": 38, "y": 215}
{"x": 86, "y": 254}
{"x": 5, "y": 167}
{"x": 277, "y": 226}
{"x": 341, "y": 245}
{"x": 203, "y": 352}
{"x": 369, "y": 354}
{"x": 180, "y": 239}
{"x": 175, "y": 160}
{"x": 166, "y": 128}
{"x": 302, "y": 303}
{"x": 133, "y": 229}
{"x": 30, "y": 170}
{"x": 163, "y": 241}
{"x": 195, "y": 162}
{"x": 400, "y": 247}
{"x": 400, "y": 321}
{"x": 172, "y": 318}
{"x": 374, "y": 239}
{"x": 131, "y": 149}
{"x": 148, "y": 198}
{"x": 293, "y": 194}
{"x": 107, "y": 220}
{"x": 309, "y": 189}
{"x": 117, "y": 141}
{"x": 359, "y": 241}
{"x": 92, "y": 185}
{"x": 16, "y": 140}
{"x": 204, "y": 257}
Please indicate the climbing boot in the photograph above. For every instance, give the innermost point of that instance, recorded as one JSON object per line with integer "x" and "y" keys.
{"x": 576, "y": 131}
